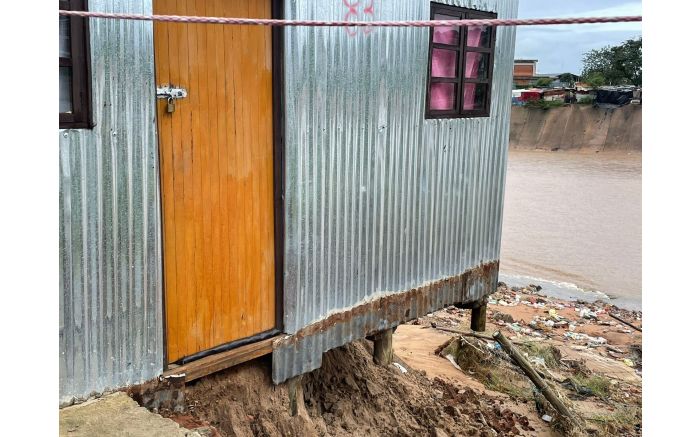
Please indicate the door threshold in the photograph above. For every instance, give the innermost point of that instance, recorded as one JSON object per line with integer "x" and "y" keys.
{"x": 216, "y": 362}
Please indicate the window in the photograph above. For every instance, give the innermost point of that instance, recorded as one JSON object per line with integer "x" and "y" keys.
{"x": 460, "y": 65}
{"x": 73, "y": 68}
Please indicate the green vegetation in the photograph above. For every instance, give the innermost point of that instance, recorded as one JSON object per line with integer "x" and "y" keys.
{"x": 487, "y": 368}
{"x": 596, "y": 80}
{"x": 568, "y": 79}
{"x": 544, "y": 104}
{"x": 600, "y": 386}
{"x": 548, "y": 353}
{"x": 614, "y": 65}
{"x": 543, "y": 82}
{"x": 505, "y": 383}
{"x": 588, "y": 100}
{"x": 623, "y": 420}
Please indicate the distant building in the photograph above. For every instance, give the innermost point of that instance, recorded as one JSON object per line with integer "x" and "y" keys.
{"x": 525, "y": 73}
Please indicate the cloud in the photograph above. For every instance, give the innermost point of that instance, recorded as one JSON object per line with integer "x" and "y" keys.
{"x": 560, "y": 48}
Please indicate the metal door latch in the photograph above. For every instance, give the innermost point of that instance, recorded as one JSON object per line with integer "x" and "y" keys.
{"x": 171, "y": 94}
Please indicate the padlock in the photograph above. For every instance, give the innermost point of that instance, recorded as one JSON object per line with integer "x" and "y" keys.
{"x": 171, "y": 105}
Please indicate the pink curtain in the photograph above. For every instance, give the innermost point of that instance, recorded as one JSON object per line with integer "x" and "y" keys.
{"x": 442, "y": 96}
{"x": 444, "y": 63}
{"x": 471, "y": 66}
{"x": 446, "y": 34}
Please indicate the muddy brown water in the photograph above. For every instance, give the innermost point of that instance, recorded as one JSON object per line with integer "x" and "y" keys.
{"x": 573, "y": 224}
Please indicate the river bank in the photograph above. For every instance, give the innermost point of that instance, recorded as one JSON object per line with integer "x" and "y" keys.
{"x": 577, "y": 128}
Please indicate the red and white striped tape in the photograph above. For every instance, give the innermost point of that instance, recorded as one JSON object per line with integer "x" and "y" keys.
{"x": 316, "y": 23}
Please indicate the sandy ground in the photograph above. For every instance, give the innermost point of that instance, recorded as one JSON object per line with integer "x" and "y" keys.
{"x": 416, "y": 346}
{"x": 348, "y": 396}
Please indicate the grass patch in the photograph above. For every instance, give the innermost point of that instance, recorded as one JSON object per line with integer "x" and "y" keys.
{"x": 487, "y": 368}
{"x": 599, "y": 385}
{"x": 623, "y": 420}
{"x": 548, "y": 353}
{"x": 544, "y": 104}
{"x": 498, "y": 381}
{"x": 585, "y": 101}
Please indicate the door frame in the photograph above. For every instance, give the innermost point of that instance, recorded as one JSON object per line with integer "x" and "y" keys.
{"x": 278, "y": 180}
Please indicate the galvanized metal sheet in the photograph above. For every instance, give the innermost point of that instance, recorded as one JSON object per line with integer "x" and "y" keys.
{"x": 111, "y": 324}
{"x": 378, "y": 199}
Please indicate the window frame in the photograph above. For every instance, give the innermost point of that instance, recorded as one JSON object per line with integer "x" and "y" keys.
{"x": 81, "y": 99}
{"x": 461, "y": 49}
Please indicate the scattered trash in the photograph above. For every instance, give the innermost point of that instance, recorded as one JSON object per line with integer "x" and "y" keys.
{"x": 451, "y": 359}
{"x": 503, "y": 317}
{"x": 538, "y": 361}
{"x": 591, "y": 341}
{"x": 515, "y": 327}
{"x": 547, "y": 418}
{"x": 628, "y": 362}
{"x": 587, "y": 314}
{"x": 401, "y": 368}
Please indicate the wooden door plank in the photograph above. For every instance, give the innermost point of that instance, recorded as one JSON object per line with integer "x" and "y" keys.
{"x": 267, "y": 197}
{"x": 221, "y": 333}
{"x": 198, "y": 159}
{"x": 231, "y": 64}
{"x": 183, "y": 115}
{"x": 244, "y": 171}
{"x": 213, "y": 169}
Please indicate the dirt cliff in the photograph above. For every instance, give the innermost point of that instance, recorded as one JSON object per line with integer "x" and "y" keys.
{"x": 577, "y": 127}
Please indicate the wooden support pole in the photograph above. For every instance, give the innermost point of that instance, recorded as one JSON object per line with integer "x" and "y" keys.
{"x": 383, "y": 352}
{"x": 524, "y": 364}
{"x": 296, "y": 395}
{"x": 478, "y": 322}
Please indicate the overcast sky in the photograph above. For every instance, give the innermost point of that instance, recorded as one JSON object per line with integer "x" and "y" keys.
{"x": 559, "y": 48}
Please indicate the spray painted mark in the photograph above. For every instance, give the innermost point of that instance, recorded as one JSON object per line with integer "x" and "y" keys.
{"x": 354, "y": 14}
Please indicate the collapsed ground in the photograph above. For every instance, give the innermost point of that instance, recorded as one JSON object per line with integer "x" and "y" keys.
{"x": 444, "y": 383}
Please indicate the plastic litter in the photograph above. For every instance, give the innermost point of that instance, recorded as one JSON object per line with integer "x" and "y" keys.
{"x": 515, "y": 327}
{"x": 451, "y": 359}
{"x": 587, "y": 314}
{"x": 547, "y": 418}
{"x": 401, "y": 368}
{"x": 538, "y": 361}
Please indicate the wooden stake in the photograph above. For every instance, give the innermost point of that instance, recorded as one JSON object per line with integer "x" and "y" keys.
{"x": 524, "y": 364}
{"x": 479, "y": 318}
{"x": 296, "y": 395}
{"x": 383, "y": 352}
{"x": 619, "y": 319}
{"x": 465, "y": 333}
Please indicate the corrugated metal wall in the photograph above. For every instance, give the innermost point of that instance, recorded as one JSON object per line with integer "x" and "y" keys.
{"x": 378, "y": 199}
{"x": 111, "y": 325}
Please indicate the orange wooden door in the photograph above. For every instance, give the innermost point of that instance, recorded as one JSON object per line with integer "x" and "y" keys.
{"x": 216, "y": 163}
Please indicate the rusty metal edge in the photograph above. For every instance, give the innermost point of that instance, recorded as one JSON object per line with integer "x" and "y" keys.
{"x": 400, "y": 307}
